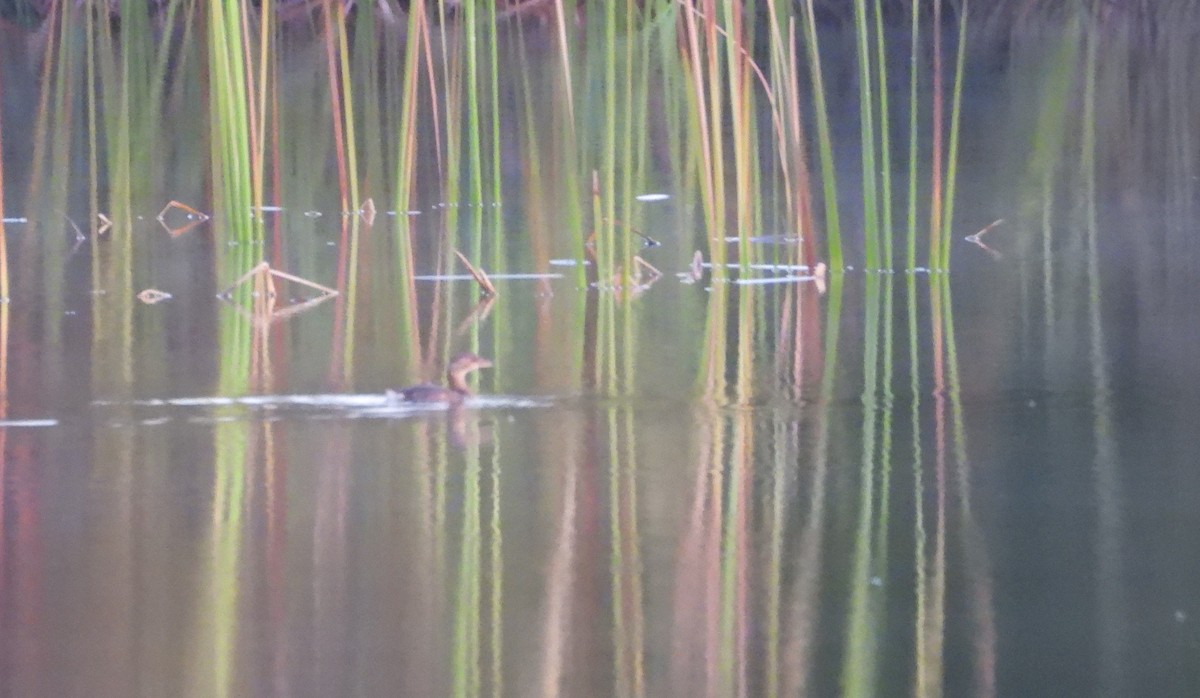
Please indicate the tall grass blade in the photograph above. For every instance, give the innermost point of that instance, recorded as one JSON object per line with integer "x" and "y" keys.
{"x": 885, "y": 139}
{"x": 952, "y": 156}
{"x": 866, "y": 112}
{"x": 231, "y": 122}
{"x": 936, "y": 193}
{"x": 833, "y": 235}
{"x": 910, "y": 262}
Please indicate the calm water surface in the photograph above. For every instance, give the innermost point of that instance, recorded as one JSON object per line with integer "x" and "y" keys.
{"x": 706, "y": 489}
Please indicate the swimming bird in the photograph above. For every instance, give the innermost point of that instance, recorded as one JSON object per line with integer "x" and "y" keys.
{"x": 456, "y": 380}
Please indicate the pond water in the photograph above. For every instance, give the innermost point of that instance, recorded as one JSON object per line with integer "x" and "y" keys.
{"x": 979, "y": 482}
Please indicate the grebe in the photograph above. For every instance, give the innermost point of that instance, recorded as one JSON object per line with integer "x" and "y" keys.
{"x": 456, "y": 379}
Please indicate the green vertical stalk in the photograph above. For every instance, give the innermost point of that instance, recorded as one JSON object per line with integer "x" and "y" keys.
{"x": 628, "y": 134}
{"x": 640, "y": 114}
{"x": 371, "y": 43}
{"x": 914, "y": 63}
{"x": 452, "y": 74}
{"x": 52, "y": 162}
{"x": 471, "y": 26}
{"x": 497, "y": 194}
{"x": 346, "y": 93}
{"x": 407, "y": 144}
{"x": 706, "y": 118}
{"x": 574, "y": 173}
{"x": 885, "y": 137}
{"x": 740, "y": 95}
{"x": 350, "y": 292}
{"x": 716, "y": 119}
{"x": 952, "y": 155}
{"x": 938, "y": 125}
{"x": 782, "y": 68}
{"x": 866, "y": 111}
{"x": 231, "y": 123}
{"x": 408, "y": 328}
{"x": 833, "y": 235}
{"x": 266, "y": 61}
{"x": 604, "y": 226}
{"x": 91, "y": 86}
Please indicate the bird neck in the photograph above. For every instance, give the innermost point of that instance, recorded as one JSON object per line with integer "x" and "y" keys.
{"x": 458, "y": 382}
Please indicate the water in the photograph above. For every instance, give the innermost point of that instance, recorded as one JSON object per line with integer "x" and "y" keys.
{"x": 688, "y": 488}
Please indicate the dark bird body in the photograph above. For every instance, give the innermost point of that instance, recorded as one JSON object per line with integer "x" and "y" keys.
{"x": 456, "y": 388}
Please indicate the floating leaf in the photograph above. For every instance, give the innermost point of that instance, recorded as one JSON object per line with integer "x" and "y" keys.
{"x": 151, "y": 296}
{"x": 976, "y": 238}
{"x": 986, "y": 229}
{"x": 191, "y": 218}
{"x": 696, "y": 271}
{"x": 367, "y": 211}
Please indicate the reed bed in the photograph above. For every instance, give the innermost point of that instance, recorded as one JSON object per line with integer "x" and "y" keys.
{"x": 744, "y": 93}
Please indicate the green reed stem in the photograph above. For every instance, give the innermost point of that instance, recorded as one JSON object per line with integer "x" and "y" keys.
{"x": 91, "y": 85}
{"x": 885, "y": 138}
{"x": 936, "y": 187}
{"x": 231, "y": 123}
{"x": 407, "y": 150}
{"x": 741, "y": 121}
{"x": 452, "y": 77}
{"x": 497, "y": 192}
{"x": 952, "y": 155}
{"x": 604, "y": 228}
{"x": 632, "y": 127}
{"x": 347, "y": 104}
{"x": 716, "y": 120}
{"x": 913, "y": 65}
{"x": 833, "y": 235}
{"x": 866, "y": 111}
{"x": 471, "y": 27}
